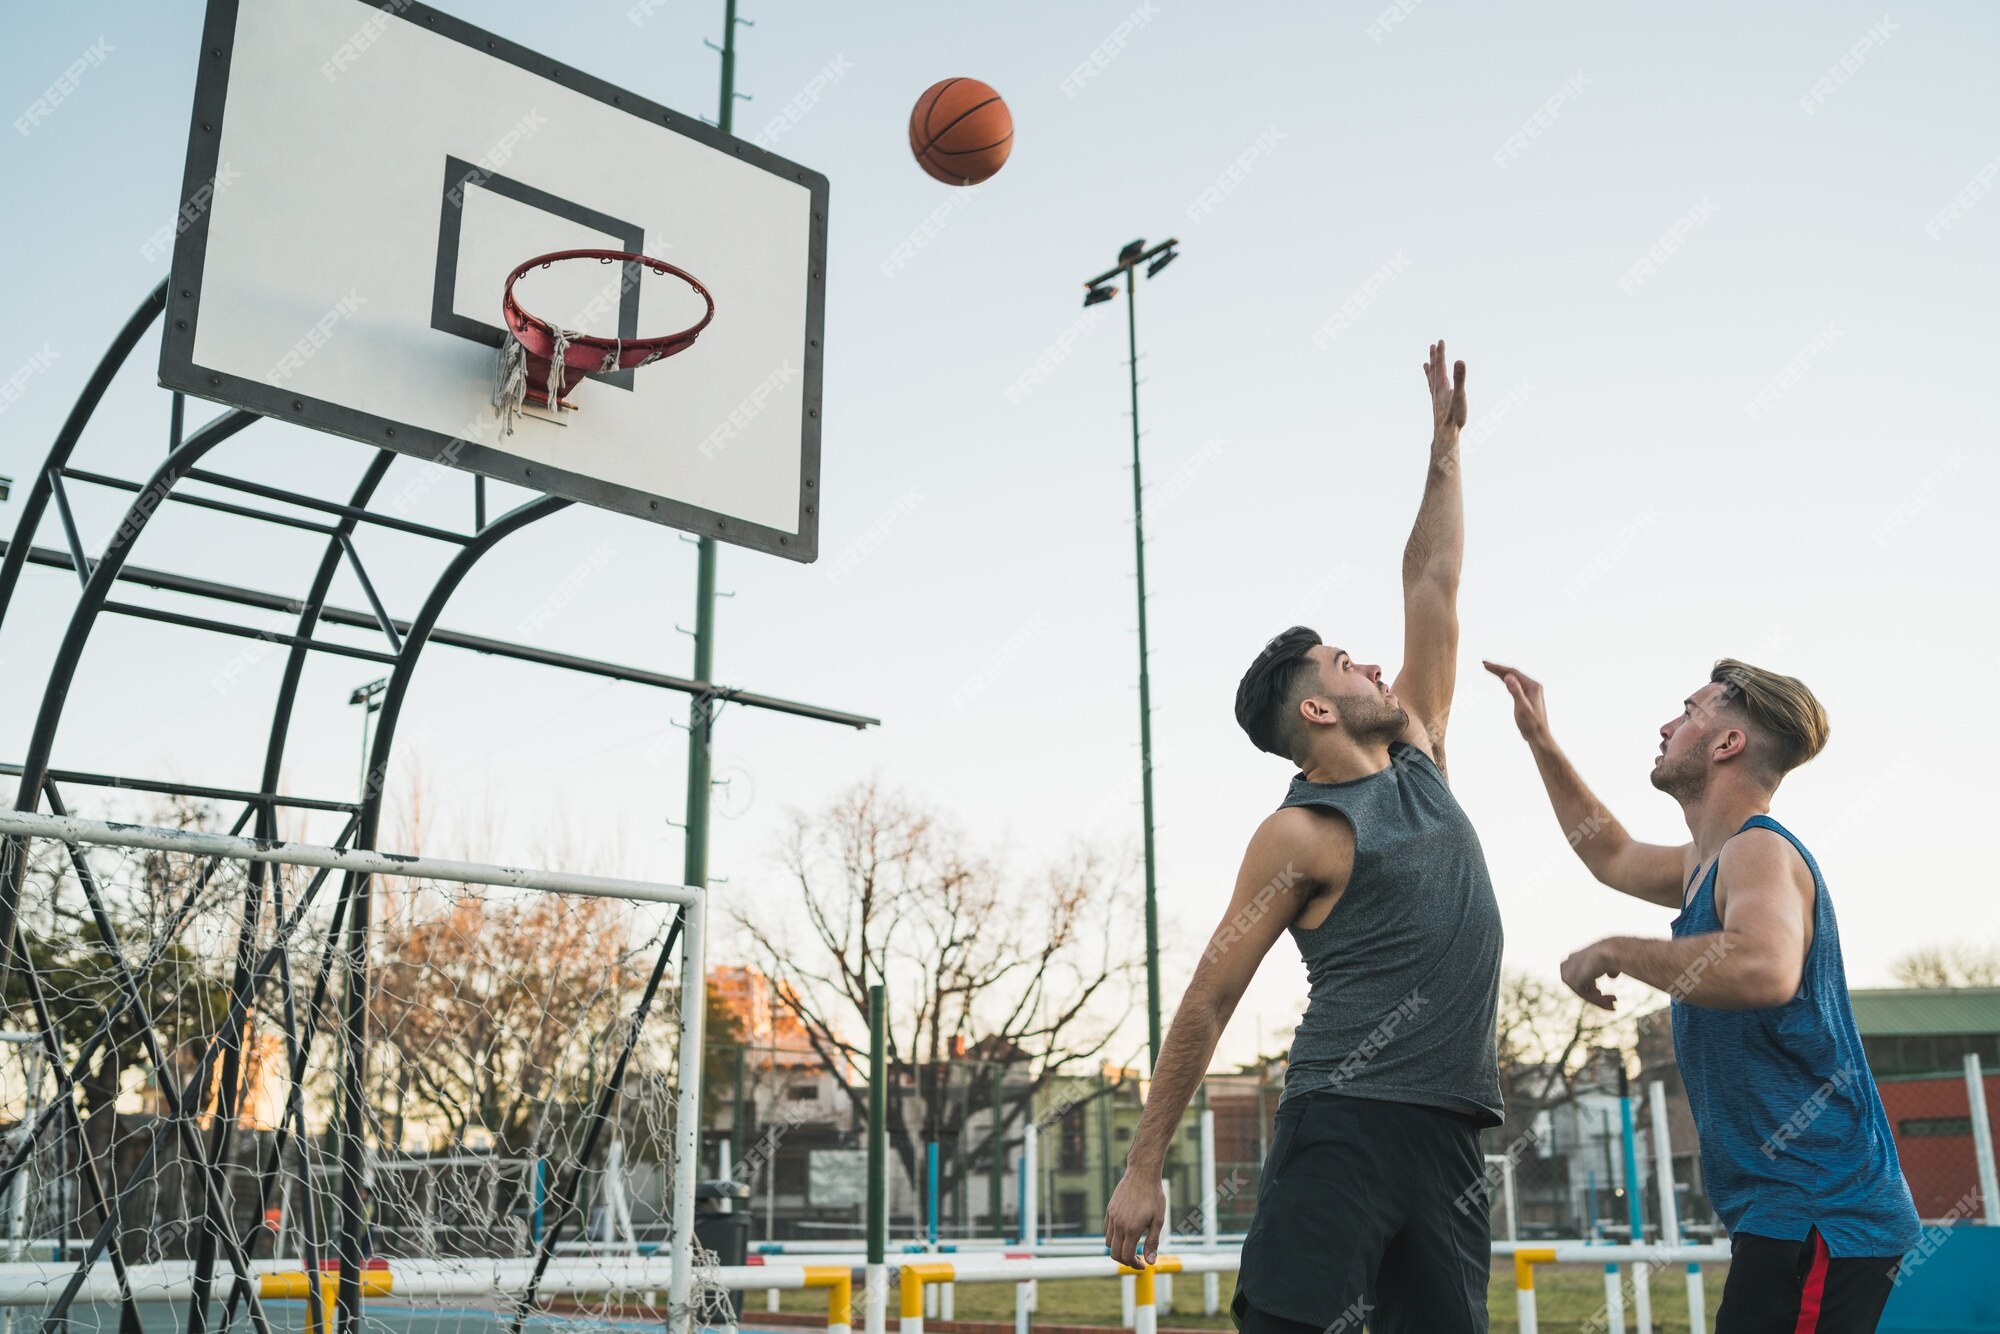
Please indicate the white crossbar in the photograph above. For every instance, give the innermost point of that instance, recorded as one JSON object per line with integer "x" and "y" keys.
{"x": 70, "y": 829}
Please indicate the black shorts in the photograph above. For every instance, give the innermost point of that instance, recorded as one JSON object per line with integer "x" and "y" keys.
{"x": 1795, "y": 1287}
{"x": 1368, "y": 1211}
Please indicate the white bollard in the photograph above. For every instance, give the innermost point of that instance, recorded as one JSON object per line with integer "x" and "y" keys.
{"x": 948, "y": 1301}
{"x": 1030, "y": 1206}
{"x": 876, "y": 1309}
{"x": 1982, "y": 1136}
{"x": 1642, "y": 1297}
{"x": 1125, "y": 1314}
{"x": 1697, "y": 1306}
{"x": 1021, "y": 1307}
{"x": 1614, "y": 1300}
{"x": 1211, "y": 1283}
{"x": 1663, "y": 1166}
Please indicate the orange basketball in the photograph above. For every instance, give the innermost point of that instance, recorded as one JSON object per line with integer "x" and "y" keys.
{"x": 961, "y": 131}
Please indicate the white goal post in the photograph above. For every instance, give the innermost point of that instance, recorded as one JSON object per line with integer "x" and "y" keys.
{"x": 69, "y": 857}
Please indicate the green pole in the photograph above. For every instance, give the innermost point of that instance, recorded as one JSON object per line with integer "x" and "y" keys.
{"x": 701, "y": 711}
{"x": 1145, "y": 690}
{"x": 878, "y": 1130}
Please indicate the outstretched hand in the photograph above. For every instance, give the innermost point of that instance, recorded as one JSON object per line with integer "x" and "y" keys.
{"x": 1531, "y": 715}
{"x": 1581, "y": 970}
{"x": 1447, "y": 394}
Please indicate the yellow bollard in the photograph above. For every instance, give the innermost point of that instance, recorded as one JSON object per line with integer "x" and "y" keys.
{"x": 297, "y": 1286}
{"x": 914, "y": 1278}
{"x": 839, "y": 1281}
{"x": 1524, "y": 1283}
{"x": 1145, "y": 1292}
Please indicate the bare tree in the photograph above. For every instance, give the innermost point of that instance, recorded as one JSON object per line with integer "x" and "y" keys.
{"x": 1545, "y": 1031}
{"x": 981, "y": 970}
{"x": 1954, "y": 965}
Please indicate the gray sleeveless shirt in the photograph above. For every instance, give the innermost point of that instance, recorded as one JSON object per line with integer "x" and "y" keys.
{"x": 1405, "y": 971}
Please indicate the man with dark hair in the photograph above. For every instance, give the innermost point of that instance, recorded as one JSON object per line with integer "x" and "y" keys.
{"x": 1795, "y": 1148}
{"x": 1373, "y": 1203}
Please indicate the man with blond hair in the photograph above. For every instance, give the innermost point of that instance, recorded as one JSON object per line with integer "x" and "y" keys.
{"x": 1795, "y": 1148}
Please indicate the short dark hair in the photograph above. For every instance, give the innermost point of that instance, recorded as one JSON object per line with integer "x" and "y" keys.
{"x": 1268, "y": 695}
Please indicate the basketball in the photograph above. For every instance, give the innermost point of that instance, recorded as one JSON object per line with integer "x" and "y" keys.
{"x": 961, "y": 132}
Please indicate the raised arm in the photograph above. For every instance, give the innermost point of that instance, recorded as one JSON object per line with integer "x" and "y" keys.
{"x": 1649, "y": 871}
{"x": 1764, "y": 896}
{"x": 1431, "y": 561}
{"x": 1275, "y": 882}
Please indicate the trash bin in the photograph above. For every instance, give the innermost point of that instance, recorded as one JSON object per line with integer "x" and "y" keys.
{"x": 725, "y": 1233}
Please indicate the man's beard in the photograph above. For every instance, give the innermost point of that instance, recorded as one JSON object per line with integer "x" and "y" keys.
{"x": 1373, "y": 719}
{"x": 1684, "y": 781}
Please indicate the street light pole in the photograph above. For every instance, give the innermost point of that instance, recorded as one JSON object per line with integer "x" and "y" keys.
{"x": 1097, "y": 290}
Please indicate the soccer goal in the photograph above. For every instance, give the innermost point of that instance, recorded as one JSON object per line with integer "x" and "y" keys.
{"x": 263, "y": 1081}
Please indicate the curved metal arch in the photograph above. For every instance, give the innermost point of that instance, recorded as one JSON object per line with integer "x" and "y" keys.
{"x": 356, "y": 892}
{"x": 36, "y": 502}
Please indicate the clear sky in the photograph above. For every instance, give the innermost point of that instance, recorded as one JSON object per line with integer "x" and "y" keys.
{"x": 1772, "y": 440}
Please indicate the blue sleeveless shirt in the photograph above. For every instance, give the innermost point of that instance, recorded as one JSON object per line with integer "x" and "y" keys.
{"x": 1793, "y": 1135}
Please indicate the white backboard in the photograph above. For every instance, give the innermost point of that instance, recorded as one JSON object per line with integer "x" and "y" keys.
{"x": 361, "y": 177}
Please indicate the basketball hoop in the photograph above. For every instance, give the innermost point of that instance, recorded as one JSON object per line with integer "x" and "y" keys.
{"x": 541, "y": 363}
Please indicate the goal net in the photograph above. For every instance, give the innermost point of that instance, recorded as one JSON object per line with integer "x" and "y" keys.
{"x": 264, "y": 1085}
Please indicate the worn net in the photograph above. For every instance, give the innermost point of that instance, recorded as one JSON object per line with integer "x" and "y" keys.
{"x": 176, "y": 1032}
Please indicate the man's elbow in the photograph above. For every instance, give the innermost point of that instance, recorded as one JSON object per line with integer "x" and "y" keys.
{"x": 1766, "y": 984}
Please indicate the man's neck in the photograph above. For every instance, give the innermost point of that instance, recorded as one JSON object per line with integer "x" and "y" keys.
{"x": 1344, "y": 764}
{"x": 1714, "y": 818}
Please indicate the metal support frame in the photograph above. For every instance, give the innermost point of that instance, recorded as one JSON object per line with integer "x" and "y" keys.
{"x": 257, "y": 970}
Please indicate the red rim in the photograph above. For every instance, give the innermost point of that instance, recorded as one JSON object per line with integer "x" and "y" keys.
{"x": 586, "y": 352}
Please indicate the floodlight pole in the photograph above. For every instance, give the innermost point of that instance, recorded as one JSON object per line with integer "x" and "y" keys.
{"x": 1129, "y": 260}
{"x": 701, "y": 710}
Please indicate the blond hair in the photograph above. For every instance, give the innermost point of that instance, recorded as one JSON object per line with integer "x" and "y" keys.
{"x": 1784, "y": 713}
